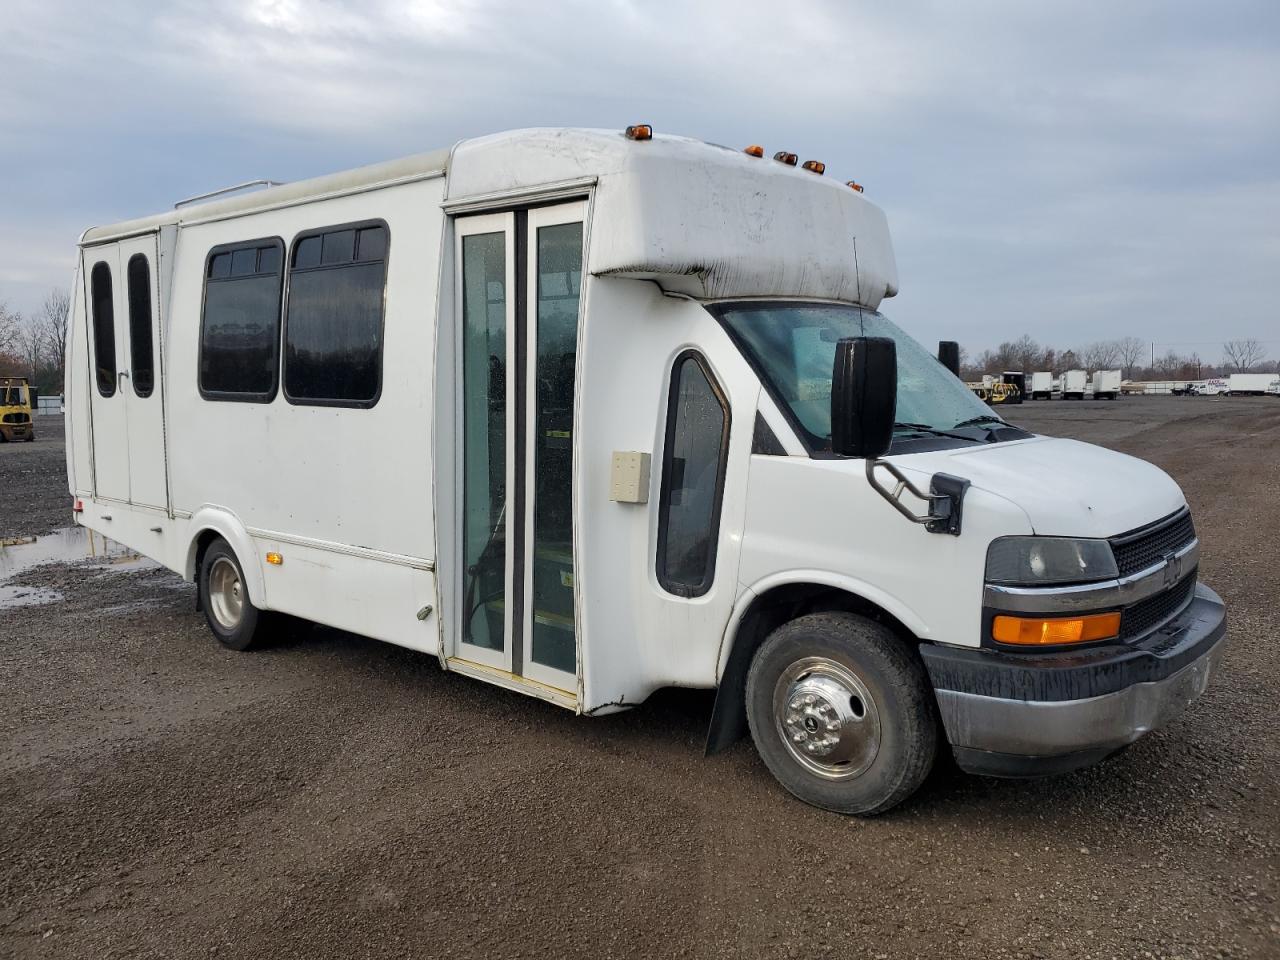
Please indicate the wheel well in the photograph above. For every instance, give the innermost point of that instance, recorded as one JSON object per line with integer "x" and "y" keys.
{"x": 203, "y": 539}
{"x": 766, "y": 613}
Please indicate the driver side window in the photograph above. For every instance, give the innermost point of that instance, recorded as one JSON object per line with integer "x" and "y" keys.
{"x": 693, "y": 467}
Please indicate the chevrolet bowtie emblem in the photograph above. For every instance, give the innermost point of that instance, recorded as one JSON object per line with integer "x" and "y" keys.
{"x": 1172, "y": 569}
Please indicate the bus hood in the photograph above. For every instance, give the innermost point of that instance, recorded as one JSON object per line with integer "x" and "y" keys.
{"x": 1066, "y": 488}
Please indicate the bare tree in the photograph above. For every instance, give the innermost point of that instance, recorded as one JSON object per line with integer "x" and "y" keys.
{"x": 31, "y": 346}
{"x": 1102, "y": 355}
{"x": 53, "y": 321}
{"x": 1130, "y": 351}
{"x": 1243, "y": 354}
{"x": 10, "y": 322}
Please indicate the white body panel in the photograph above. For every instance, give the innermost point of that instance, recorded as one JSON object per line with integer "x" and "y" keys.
{"x": 366, "y": 505}
{"x": 1041, "y": 383}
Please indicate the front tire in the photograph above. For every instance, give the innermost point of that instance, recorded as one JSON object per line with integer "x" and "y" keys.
{"x": 841, "y": 713}
{"x": 232, "y": 617}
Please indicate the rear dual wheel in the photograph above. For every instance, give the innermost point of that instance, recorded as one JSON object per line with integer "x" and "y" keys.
{"x": 841, "y": 713}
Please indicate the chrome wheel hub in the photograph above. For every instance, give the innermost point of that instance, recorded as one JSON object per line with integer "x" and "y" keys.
{"x": 226, "y": 593}
{"x": 827, "y": 718}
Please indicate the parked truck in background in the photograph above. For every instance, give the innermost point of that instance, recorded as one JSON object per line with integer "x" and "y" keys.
{"x": 1041, "y": 385}
{"x": 1073, "y": 384}
{"x": 1106, "y": 384}
{"x": 1250, "y": 384}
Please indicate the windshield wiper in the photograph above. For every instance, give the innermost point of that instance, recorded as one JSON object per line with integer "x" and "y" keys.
{"x": 932, "y": 431}
{"x": 976, "y": 421}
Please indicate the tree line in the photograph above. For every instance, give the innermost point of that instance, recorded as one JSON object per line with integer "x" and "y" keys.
{"x": 1131, "y": 356}
{"x": 33, "y": 345}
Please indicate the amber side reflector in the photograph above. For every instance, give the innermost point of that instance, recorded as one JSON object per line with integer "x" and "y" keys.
{"x": 640, "y": 131}
{"x": 1047, "y": 631}
{"x": 815, "y": 166}
{"x": 755, "y": 150}
{"x": 274, "y": 559}
{"x": 855, "y": 185}
{"x": 790, "y": 159}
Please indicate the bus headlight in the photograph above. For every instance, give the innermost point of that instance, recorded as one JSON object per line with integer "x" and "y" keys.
{"x": 1034, "y": 561}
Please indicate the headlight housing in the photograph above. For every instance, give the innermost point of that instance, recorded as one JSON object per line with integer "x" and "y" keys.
{"x": 1041, "y": 561}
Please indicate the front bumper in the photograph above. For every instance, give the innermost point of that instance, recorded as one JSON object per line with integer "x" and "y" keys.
{"x": 1020, "y": 715}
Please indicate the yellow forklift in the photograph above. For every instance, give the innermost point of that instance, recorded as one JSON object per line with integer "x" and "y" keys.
{"x": 15, "y": 410}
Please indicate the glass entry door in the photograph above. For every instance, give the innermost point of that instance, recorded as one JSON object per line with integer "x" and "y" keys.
{"x": 519, "y": 287}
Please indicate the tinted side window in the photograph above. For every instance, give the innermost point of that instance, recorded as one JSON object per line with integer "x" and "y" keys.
{"x": 104, "y": 329}
{"x": 142, "y": 361}
{"x": 693, "y": 468}
{"x": 333, "y": 324}
{"x": 240, "y": 326}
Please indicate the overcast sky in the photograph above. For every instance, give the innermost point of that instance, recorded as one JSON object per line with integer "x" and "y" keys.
{"x": 1075, "y": 170}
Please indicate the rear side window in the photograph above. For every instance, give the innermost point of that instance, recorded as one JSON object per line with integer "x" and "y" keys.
{"x": 693, "y": 466}
{"x": 104, "y": 328}
{"x": 240, "y": 324}
{"x": 333, "y": 323}
{"x": 141, "y": 355}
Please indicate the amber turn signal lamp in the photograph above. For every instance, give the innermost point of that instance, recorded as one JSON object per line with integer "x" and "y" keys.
{"x": 790, "y": 159}
{"x": 855, "y": 185}
{"x": 274, "y": 559}
{"x": 815, "y": 166}
{"x": 755, "y": 150}
{"x": 1048, "y": 631}
{"x": 640, "y": 131}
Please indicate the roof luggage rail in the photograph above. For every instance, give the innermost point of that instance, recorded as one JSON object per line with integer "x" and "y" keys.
{"x": 225, "y": 190}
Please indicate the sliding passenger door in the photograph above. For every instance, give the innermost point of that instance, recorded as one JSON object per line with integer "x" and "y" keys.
{"x": 518, "y": 293}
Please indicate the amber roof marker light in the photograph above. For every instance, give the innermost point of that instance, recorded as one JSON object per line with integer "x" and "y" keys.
{"x": 854, "y": 185}
{"x": 639, "y": 131}
{"x": 755, "y": 150}
{"x": 814, "y": 166}
{"x": 790, "y": 159}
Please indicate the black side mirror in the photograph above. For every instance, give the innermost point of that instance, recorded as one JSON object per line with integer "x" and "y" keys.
{"x": 949, "y": 355}
{"x": 864, "y": 396}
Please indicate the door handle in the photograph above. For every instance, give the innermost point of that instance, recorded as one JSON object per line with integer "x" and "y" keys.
{"x": 120, "y": 379}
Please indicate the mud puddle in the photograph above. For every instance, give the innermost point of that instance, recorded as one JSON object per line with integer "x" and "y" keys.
{"x": 68, "y": 545}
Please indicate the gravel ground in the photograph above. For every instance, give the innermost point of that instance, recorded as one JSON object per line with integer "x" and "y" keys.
{"x": 33, "y": 477}
{"x": 335, "y": 797}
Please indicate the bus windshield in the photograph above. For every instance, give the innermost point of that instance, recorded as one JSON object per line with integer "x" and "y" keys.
{"x": 793, "y": 346}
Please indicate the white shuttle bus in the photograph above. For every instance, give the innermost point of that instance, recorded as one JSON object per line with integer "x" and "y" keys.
{"x": 585, "y": 414}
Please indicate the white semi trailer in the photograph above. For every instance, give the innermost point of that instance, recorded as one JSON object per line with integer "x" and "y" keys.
{"x": 1105, "y": 384}
{"x": 586, "y": 413}
{"x": 1250, "y": 384}
{"x": 1074, "y": 384}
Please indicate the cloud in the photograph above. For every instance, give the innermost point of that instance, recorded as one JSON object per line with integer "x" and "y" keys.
{"x": 1072, "y": 169}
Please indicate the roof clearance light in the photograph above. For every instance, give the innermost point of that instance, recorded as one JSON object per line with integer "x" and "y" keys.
{"x": 815, "y": 166}
{"x": 755, "y": 150}
{"x": 640, "y": 131}
{"x": 855, "y": 185}
{"x": 789, "y": 159}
